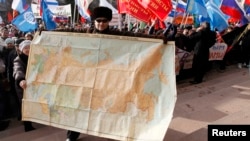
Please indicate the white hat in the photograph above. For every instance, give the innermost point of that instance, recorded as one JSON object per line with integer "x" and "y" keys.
{"x": 24, "y": 44}
{"x": 9, "y": 41}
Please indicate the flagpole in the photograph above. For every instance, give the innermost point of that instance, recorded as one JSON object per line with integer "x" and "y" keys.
{"x": 74, "y": 16}
{"x": 128, "y": 15}
{"x": 176, "y": 7}
{"x": 120, "y": 22}
{"x": 186, "y": 20}
{"x": 183, "y": 17}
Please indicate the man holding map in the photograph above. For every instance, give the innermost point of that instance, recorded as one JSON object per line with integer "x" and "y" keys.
{"x": 101, "y": 16}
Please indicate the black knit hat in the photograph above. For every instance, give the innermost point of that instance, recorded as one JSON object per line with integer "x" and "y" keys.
{"x": 18, "y": 41}
{"x": 102, "y": 12}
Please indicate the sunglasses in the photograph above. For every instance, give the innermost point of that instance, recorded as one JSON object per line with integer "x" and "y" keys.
{"x": 101, "y": 20}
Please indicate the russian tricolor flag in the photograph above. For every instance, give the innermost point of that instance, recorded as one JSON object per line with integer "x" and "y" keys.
{"x": 181, "y": 6}
{"x": 19, "y": 5}
{"x": 231, "y": 8}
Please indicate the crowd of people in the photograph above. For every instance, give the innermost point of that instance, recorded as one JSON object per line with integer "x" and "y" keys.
{"x": 14, "y": 56}
{"x": 14, "y": 51}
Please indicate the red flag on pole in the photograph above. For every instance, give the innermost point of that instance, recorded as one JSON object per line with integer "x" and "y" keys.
{"x": 133, "y": 8}
{"x": 160, "y": 8}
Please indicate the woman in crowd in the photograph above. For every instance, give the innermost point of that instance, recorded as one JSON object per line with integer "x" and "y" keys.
{"x": 19, "y": 72}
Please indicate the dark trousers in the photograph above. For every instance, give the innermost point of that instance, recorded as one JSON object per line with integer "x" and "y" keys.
{"x": 200, "y": 67}
{"x": 72, "y": 135}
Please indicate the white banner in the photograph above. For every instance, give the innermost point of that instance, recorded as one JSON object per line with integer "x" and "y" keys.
{"x": 62, "y": 10}
{"x": 185, "y": 59}
{"x": 217, "y": 51}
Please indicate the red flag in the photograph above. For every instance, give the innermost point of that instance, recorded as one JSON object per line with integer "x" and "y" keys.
{"x": 10, "y": 16}
{"x": 161, "y": 8}
{"x": 15, "y": 13}
{"x": 159, "y": 24}
{"x": 82, "y": 20}
{"x": 133, "y": 8}
{"x": 247, "y": 2}
{"x": 162, "y": 25}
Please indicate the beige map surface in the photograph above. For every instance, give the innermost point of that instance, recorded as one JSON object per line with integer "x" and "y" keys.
{"x": 109, "y": 86}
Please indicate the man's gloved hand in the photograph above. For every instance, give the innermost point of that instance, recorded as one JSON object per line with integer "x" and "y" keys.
{"x": 165, "y": 40}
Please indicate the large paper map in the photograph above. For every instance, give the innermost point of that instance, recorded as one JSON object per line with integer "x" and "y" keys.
{"x": 116, "y": 87}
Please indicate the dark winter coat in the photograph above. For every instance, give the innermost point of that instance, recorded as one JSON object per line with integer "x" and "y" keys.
{"x": 19, "y": 72}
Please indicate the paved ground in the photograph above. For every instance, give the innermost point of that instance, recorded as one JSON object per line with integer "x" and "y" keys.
{"x": 218, "y": 100}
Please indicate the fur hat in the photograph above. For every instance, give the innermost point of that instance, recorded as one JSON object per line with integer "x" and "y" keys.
{"x": 23, "y": 44}
{"x": 102, "y": 12}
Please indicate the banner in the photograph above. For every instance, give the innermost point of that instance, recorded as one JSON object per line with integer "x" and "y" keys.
{"x": 115, "y": 87}
{"x": 185, "y": 59}
{"x": 217, "y": 51}
{"x": 62, "y": 10}
{"x": 36, "y": 10}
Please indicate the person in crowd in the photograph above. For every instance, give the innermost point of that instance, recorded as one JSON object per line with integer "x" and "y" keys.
{"x": 220, "y": 63}
{"x": 29, "y": 36}
{"x": 19, "y": 72}
{"x": 5, "y": 102}
{"x": 10, "y": 46}
{"x": 244, "y": 50}
{"x": 101, "y": 17}
{"x": 3, "y": 95}
{"x": 9, "y": 99}
{"x": 4, "y": 34}
{"x": 4, "y": 123}
{"x": 12, "y": 55}
{"x": 181, "y": 39}
{"x": 204, "y": 39}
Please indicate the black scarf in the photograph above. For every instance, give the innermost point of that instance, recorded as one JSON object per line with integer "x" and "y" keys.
{"x": 105, "y": 31}
{"x": 24, "y": 58}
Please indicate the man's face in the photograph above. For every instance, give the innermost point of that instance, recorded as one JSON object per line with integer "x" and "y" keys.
{"x": 101, "y": 23}
{"x": 10, "y": 45}
{"x": 4, "y": 33}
